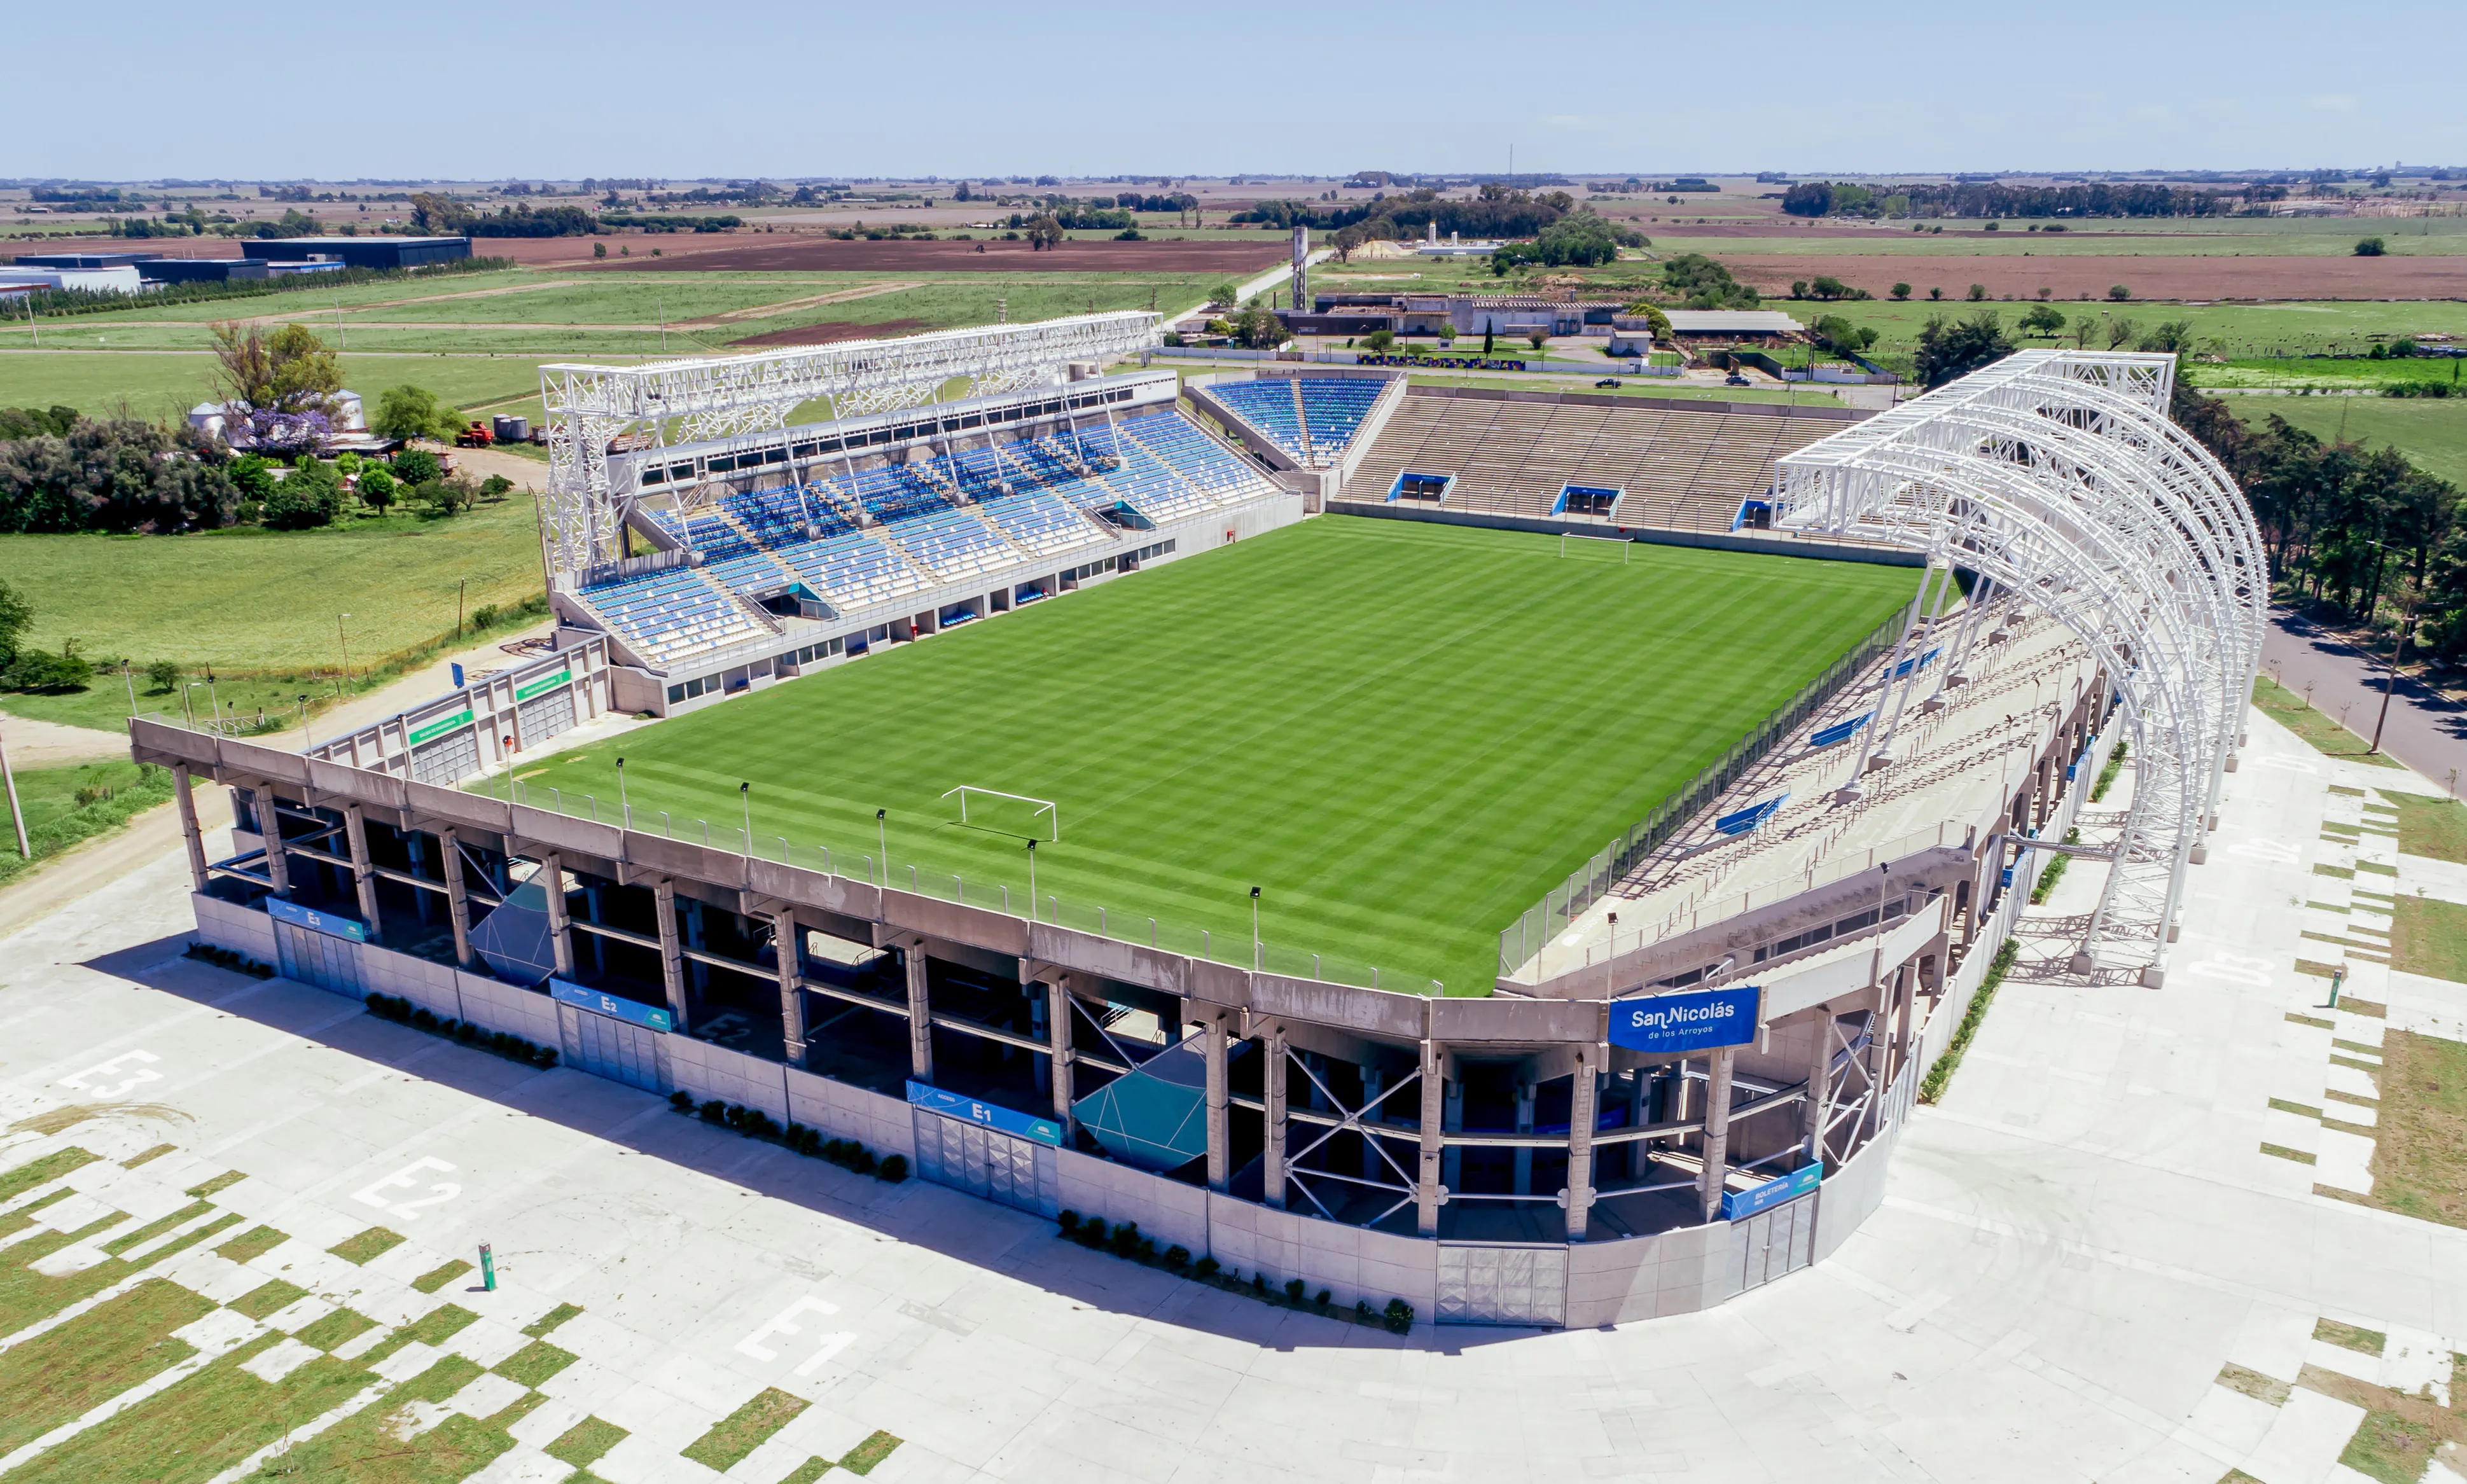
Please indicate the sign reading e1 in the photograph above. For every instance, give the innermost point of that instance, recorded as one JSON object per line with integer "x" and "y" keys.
{"x": 991, "y": 1115}
{"x": 1690, "y": 1021}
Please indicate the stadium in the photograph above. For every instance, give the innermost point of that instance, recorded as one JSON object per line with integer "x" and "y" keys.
{"x": 1517, "y": 853}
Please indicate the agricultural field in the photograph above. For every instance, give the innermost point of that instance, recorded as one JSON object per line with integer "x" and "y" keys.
{"x": 1399, "y": 777}
{"x": 163, "y": 384}
{"x": 2431, "y": 432}
{"x": 260, "y": 611}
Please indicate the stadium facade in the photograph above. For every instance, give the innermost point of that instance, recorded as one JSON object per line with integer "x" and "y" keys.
{"x": 1690, "y": 1072}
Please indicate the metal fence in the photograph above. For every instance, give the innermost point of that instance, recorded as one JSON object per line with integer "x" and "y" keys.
{"x": 1523, "y": 938}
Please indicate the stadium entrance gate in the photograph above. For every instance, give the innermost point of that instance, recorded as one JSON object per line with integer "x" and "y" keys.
{"x": 450, "y": 759}
{"x": 1484, "y": 1283}
{"x": 606, "y": 1047}
{"x": 1775, "y": 1242}
{"x": 311, "y": 958}
{"x": 985, "y": 1162}
{"x": 543, "y": 717}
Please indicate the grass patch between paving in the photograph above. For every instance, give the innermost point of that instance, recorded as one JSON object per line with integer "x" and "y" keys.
{"x": 272, "y": 1297}
{"x": 550, "y": 1320}
{"x": 436, "y": 1278}
{"x": 582, "y": 1444}
{"x": 2389, "y": 1447}
{"x": 41, "y": 1171}
{"x": 365, "y": 1247}
{"x": 256, "y": 1241}
{"x": 365, "y": 1448}
{"x": 745, "y": 1430}
{"x": 2349, "y": 1337}
{"x": 2254, "y": 1385}
{"x": 534, "y": 1363}
{"x": 2434, "y": 828}
{"x": 2429, "y": 936}
{"x": 57, "y": 1377}
{"x": 208, "y": 1423}
{"x": 2319, "y": 729}
{"x": 2420, "y": 1135}
{"x": 336, "y": 1330}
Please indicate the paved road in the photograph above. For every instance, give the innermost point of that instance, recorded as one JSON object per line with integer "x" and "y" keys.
{"x": 2425, "y": 732}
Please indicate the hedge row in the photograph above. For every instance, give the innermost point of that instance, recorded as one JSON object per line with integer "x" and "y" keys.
{"x": 505, "y": 1043}
{"x": 1941, "y": 1075}
{"x": 754, "y": 1123}
{"x": 1125, "y": 1240}
{"x": 225, "y": 958}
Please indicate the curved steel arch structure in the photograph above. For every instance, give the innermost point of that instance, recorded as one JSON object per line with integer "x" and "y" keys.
{"x": 2057, "y": 475}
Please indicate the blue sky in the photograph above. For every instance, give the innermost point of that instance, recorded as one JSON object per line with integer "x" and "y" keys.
{"x": 961, "y": 89}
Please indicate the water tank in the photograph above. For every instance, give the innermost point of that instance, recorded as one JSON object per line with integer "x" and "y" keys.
{"x": 522, "y": 429}
{"x": 502, "y": 427}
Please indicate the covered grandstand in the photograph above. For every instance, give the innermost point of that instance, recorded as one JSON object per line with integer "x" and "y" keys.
{"x": 717, "y": 564}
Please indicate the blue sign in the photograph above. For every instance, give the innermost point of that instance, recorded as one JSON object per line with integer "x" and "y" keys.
{"x": 633, "y": 1012}
{"x": 1747, "y": 819}
{"x": 1691, "y": 1022}
{"x": 1839, "y": 731}
{"x": 328, "y": 923}
{"x": 1737, "y": 1204}
{"x": 967, "y": 1110}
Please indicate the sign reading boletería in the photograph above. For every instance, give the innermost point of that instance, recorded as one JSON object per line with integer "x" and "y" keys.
{"x": 1693, "y": 1020}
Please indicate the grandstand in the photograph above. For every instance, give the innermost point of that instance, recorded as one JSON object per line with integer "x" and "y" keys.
{"x": 1313, "y": 418}
{"x": 892, "y": 525}
{"x": 1681, "y": 465}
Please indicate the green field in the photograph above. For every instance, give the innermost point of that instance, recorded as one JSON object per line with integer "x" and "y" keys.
{"x": 247, "y": 601}
{"x": 160, "y": 385}
{"x": 2431, "y": 432}
{"x": 1403, "y": 733}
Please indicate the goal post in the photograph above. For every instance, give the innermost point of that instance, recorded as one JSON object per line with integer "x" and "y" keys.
{"x": 1008, "y": 814}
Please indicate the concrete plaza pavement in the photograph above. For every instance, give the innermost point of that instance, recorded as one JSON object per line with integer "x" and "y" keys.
{"x": 2074, "y": 1244}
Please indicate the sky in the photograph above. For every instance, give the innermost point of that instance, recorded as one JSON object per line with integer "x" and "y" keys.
{"x": 964, "y": 89}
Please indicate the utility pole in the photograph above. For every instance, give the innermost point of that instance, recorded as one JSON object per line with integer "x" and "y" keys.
{"x": 2390, "y": 682}
{"x": 16, "y": 814}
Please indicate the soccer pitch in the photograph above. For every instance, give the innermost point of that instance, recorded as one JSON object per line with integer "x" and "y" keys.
{"x": 1403, "y": 733}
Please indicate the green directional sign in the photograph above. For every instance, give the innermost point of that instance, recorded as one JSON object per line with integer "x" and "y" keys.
{"x": 526, "y": 691}
{"x": 440, "y": 726}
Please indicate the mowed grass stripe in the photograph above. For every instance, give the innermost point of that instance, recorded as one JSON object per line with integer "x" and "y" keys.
{"x": 1403, "y": 733}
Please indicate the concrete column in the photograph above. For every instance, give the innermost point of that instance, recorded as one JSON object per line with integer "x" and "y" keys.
{"x": 188, "y": 831}
{"x": 269, "y": 825}
{"x": 787, "y": 949}
{"x": 1905, "y": 990}
{"x": 418, "y": 849}
{"x": 458, "y": 903}
{"x": 920, "y": 1012}
{"x": 1818, "y": 1106}
{"x": 696, "y": 971}
{"x": 1272, "y": 1093}
{"x": 672, "y": 975}
{"x": 1581, "y": 1096}
{"x": 1057, "y": 1030}
{"x": 1717, "y": 1132}
{"x": 560, "y": 927}
{"x": 1220, "y": 1107}
{"x": 598, "y": 914}
{"x": 1523, "y": 1157}
{"x": 1452, "y": 1121}
{"x": 1426, "y": 1194}
{"x": 1637, "y": 1087}
{"x": 364, "y": 882}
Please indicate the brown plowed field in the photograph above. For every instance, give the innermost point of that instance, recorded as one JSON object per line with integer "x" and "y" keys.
{"x": 2149, "y": 278}
{"x": 829, "y": 334}
{"x": 775, "y": 253}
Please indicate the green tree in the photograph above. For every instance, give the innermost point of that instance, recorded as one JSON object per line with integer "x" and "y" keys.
{"x": 1225, "y": 295}
{"x": 2118, "y": 292}
{"x": 1948, "y": 350}
{"x": 16, "y": 617}
{"x": 2043, "y": 320}
{"x": 416, "y": 467}
{"x": 2371, "y": 247}
{"x": 1978, "y": 292}
{"x": 2175, "y": 337}
{"x": 1655, "y": 323}
{"x": 1537, "y": 339}
{"x": 1901, "y": 291}
{"x": 161, "y": 676}
{"x": 1486, "y": 337}
{"x": 290, "y": 371}
{"x": 1044, "y": 230}
{"x": 2121, "y": 332}
{"x": 377, "y": 489}
{"x": 409, "y": 412}
{"x": 448, "y": 496}
{"x": 1381, "y": 341}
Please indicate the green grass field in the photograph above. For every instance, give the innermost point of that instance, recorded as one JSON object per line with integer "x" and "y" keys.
{"x": 249, "y": 600}
{"x": 2431, "y": 432}
{"x": 1403, "y": 733}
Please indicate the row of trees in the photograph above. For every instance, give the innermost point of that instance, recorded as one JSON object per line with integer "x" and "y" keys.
{"x": 2362, "y": 531}
{"x": 1843, "y": 198}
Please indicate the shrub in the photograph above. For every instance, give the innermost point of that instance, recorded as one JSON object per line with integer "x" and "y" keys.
{"x": 310, "y": 497}
{"x": 162, "y": 676}
{"x": 2371, "y": 247}
{"x": 2118, "y": 292}
{"x": 1126, "y": 1238}
{"x": 1399, "y": 1315}
{"x": 713, "y": 1110}
{"x": 544, "y": 1057}
{"x": 1362, "y": 1310}
{"x": 1177, "y": 1257}
{"x": 1295, "y": 1288}
{"x": 893, "y": 1170}
{"x": 1069, "y": 1221}
{"x": 1206, "y": 1267}
{"x": 34, "y": 669}
{"x": 681, "y": 1100}
{"x": 1324, "y": 1299}
{"x": 1258, "y": 1282}
{"x": 416, "y": 466}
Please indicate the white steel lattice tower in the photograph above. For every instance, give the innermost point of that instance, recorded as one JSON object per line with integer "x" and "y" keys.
{"x": 594, "y": 411}
{"x": 2058, "y": 476}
